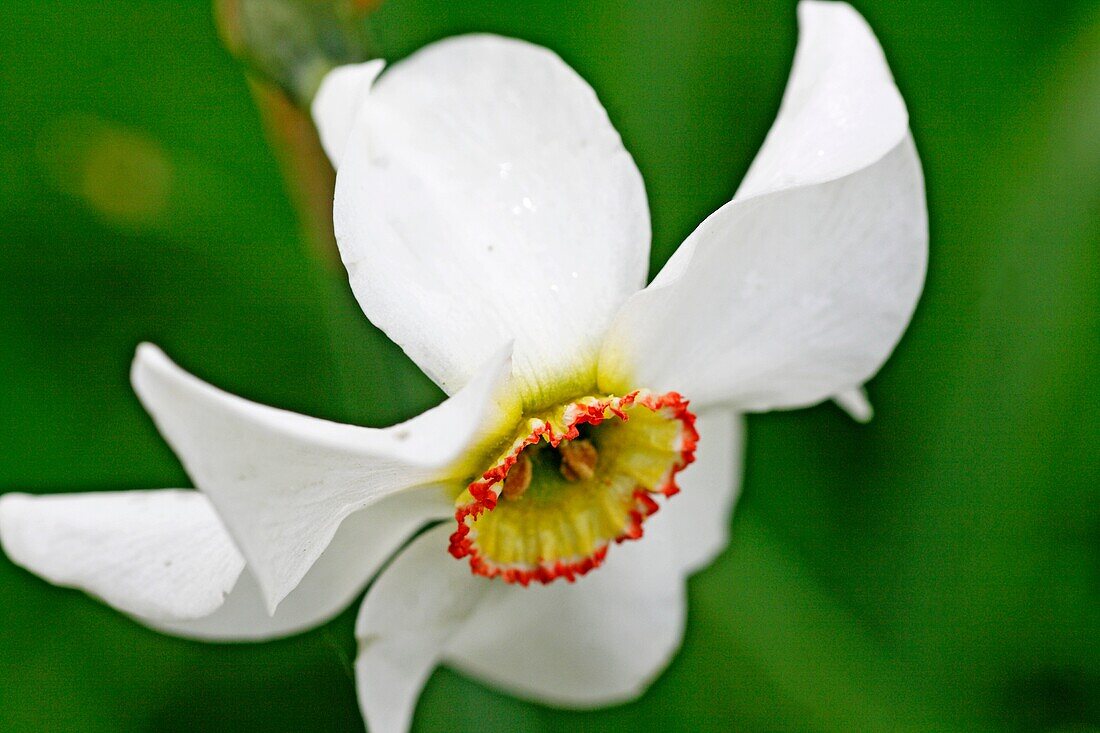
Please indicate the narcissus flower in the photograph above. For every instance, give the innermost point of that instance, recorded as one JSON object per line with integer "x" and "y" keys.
{"x": 494, "y": 226}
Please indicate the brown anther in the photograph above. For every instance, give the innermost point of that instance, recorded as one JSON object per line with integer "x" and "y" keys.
{"x": 578, "y": 460}
{"x": 518, "y": 478}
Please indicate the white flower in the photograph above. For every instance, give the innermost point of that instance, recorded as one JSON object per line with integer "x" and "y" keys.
{"x": 494, "y": 226}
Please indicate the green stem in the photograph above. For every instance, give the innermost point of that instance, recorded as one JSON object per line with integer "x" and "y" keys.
{"x": 309, "y": 176}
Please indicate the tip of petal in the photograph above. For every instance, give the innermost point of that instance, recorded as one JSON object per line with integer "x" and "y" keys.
{"x": 855, "y": 403}
{"x": 809, "y": 8}
{"x": 147, "y": 356}
{"x": 146, "y": 351}
{"x": 337, "y": 103}
{"x": 9, "y": 505}
{"x": 150, "y": 365}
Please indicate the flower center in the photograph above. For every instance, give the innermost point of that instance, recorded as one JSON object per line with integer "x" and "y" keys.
{"x": 573, "y": 480}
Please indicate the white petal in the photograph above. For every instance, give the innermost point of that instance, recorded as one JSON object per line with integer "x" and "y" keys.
{"x": 282, "y": 482}
{"x": 484, "y": 196}
{"x": 338, "y": 99}
{"x": 787, "y": 298}
{"x": 363, "y": 543}
{"x": 598, "y": 641}
{"x": 165, "y": 558}
{"x": 159, "y": 554}
{"x": 780, "y": 299}
{"x": 854, "y": 401}
{"x": 700, "y": 514}
{"x": 404, "y": 624}
{"x": 841, "y": 111}
{"x": 595, "y": 642}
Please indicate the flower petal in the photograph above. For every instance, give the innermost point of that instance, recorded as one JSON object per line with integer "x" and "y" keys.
{"x": 599, "y": 641}
{"x": 830, "y": 123}
{"x": 841, "y": 110}
{"x": 164, "y": 557}
{"x": 699, "y": 516}
{"x": 404, "y": 625}
{"x": 337, "y": 102}
{"x": 783, "y": 299}
{"x": 484, "y": 196}
{"x": 158, "y": 554}
{"x": 854, "y": 401}
{"x": 363, "y": 543}
{"x": 787, "y": 298}
{"x": 282, "y": 482}
{"x": 595, "y": 642}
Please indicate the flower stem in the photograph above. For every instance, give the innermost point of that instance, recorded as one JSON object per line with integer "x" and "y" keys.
{"x": 309, "y": 176}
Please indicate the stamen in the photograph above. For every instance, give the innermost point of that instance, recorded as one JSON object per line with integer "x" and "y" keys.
{"x": 518, "y": 478}
{"x": 578, "y": 460}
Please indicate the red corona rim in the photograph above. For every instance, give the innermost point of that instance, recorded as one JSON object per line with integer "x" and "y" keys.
{"x": 485, "y": 491}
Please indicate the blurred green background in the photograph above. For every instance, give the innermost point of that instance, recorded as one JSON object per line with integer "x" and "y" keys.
{"x": 938, "y": 569}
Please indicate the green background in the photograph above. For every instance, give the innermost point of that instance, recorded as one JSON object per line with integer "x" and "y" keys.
{"x": 937, "y": 569}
